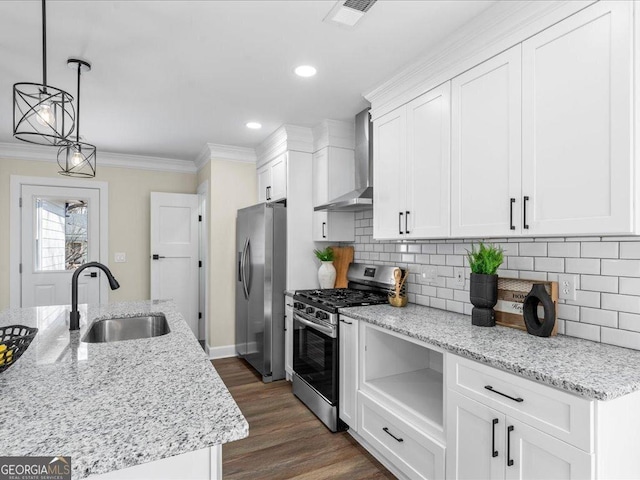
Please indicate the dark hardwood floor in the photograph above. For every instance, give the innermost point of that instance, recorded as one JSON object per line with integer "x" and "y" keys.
{"x": 286, "y": 440}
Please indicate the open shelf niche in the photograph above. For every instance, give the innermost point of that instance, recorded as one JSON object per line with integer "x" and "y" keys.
{"x": 408, "y": 373}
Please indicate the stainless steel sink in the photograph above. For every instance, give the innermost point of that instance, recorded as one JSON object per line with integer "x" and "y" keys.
{"x": 127, "y": 328}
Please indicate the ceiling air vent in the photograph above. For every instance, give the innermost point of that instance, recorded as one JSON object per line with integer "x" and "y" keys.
{"x": 349, "y": 12}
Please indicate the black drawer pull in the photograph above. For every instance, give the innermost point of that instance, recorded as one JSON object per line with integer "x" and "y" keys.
{"x": 494, "y": 452}
{"x": 491, "y": 389}
{"x": 324, "y": 224}
{"x": 348, "y": 323}
{"x": 406, "y": 221}
{"x": 509, "y": 459}
{"x": 511, "y": 225}
{"x": 400, "y": 223}
{"x": 386, "y": 430}
{"x": 524, "y": 213}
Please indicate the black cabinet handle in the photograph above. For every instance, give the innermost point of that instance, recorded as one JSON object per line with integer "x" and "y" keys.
{"x": 324, "y": 224}
{"x": 494, "y": 452}
{"x": 511, "y": 225}
{"x": 386, "y": 430}
{"x": 491, "y": 389}
{"x": 524, "y": 212}
{"x": 406, "y": 221}
{"x": 268, "y": 193}
{"x": 155, "y": 256}
{"x": 400, "y": 223}
{"x": 92, "y": 274}
{"x": 509, "y": 459}
{"x": 348, "y": 323}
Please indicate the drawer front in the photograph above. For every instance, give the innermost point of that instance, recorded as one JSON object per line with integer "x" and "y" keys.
{"x": 415, "y": 454}
{"x": 562, "y": 415}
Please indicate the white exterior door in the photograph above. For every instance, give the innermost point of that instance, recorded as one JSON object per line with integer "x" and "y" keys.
{"x": 60, "y": 230}
{"x": 577, "y": 114}
{"x": 389, "y": 182}
{"x": 174, "y": 252}
{"x": 475, "y": 440}
{"x": 486, "y": 148}
{"x": 428, "y": 164}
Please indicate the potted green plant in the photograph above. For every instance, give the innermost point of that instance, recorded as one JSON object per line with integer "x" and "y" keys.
{"x": 484, "y": 263}
{"x": 326, "y": 272}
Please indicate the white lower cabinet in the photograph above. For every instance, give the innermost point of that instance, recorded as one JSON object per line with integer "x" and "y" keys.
{"x": 348, "y": 374}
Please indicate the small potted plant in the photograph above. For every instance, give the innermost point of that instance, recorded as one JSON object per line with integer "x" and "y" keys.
{"x": 326, "y": 272}
{"x": 484, "y": 263}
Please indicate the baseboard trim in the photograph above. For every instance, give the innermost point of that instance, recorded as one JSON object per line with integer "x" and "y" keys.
{"x": 224, "y": 351}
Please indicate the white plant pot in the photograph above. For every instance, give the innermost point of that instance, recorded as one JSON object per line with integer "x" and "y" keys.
{"x": 327, "y": 275}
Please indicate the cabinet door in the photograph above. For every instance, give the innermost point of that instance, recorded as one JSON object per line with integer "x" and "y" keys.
{"x": 278, "y": 189}
{"x": 577, "y": 101}
{"x": 485, "y": 148}
{"x": 320, "y": 162}
{"x": 428, "y": 164}
{"x": 333, "y": 227}
{"x": 341, "y": 174}
{"x": 264, "y": 181}
{"x": 538, "y": 455}
{"x": 288, "y": 337}
{"x": 475, "y": 440}
{"x": 320, "y": 226}
{"x": 389, "y": 175}
{"x": 348, "y": 375}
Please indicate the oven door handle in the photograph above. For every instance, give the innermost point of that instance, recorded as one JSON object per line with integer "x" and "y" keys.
{"x": 326, "y": 330}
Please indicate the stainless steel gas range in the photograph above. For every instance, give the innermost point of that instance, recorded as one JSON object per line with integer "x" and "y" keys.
{"x": 315, "y": 336}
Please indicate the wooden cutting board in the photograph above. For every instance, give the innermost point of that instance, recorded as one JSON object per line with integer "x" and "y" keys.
{"x": 342, "y": 258}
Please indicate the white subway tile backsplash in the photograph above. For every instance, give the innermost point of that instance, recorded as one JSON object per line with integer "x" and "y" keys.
{"x": 565, "y": 249}
{"x": 629, "y": 286}
{"x": 630, "y": 250}
{"x": 533, "y": 249}
{"x": 607, "y": 305}
{"x": 546, "y": 264}
{"x": 600, "y": 250}
{"x": 621, "y": 303}
{"x": 622, "y": 268}
{"x": 582, "y": 265}
{"x": 582, "y": 330}
{"x": 598, "y": 283}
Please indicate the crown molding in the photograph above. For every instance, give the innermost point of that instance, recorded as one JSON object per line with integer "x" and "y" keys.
{"x": 215, "y": 151}
{"x": 26, "y": 151}
{"x": 498, "y": 28}
{"x": 334, "y": 133}
{"x": 284, "y": 139}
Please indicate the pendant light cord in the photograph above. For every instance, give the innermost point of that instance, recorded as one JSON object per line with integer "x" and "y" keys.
{"x": 78, "y": 112}
{"x": 44, "y": 44}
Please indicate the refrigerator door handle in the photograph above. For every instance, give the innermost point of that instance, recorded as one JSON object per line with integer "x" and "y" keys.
{"x": 243, "y": 266}
{"x": 247, "y": 263}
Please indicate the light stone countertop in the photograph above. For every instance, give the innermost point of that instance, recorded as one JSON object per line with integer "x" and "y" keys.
{"x": 590, "y": 369}
{"x": 112, "y": 405}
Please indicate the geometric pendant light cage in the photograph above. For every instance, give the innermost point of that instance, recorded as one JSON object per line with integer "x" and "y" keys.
{"x": 42, "y": 114}
{"x": 77, "y": 158}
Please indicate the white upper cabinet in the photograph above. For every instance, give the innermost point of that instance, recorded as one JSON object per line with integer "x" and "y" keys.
{"x": 411, "y": 174}
{"x": 428, "y": 164}
{"x": 577, "y": 110}
{"x": 272, "y": 180}
{"x": 389, "y": 174}
{"x": 486, "y": 148}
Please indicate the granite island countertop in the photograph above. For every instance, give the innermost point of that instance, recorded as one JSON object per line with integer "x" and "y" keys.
{"x": 112, "y": 405}
{"x": 582, "y": 367}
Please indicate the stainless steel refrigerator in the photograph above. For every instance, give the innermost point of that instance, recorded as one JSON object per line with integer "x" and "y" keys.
{"x": 261, "y": 237}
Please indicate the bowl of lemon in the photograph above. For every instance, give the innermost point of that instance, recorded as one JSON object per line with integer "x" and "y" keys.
{"x": 14, "y": 341}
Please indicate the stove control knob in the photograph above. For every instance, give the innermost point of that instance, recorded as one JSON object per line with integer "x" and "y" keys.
{"x": 309, "y": 310}
{"x": 298, "y": 305}
{"x": 322, "y": 315}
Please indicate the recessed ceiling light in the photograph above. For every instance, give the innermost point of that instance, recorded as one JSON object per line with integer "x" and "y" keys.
{"x": 254, "y": 125}
{"x": 305, "y": 71}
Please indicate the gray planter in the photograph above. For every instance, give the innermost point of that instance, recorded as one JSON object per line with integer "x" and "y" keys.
{"x": 483, "y": 292}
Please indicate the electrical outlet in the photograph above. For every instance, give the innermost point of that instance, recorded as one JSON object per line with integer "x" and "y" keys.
{"x": 428, "y": 274}
{"x": 120, "y": 257}
{"x": 567, "y": 286}
{"x": 458, "y": 274}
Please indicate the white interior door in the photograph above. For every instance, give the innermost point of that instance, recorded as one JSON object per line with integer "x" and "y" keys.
{"x": 60, "y": 230}
{"x": 174, "y": 250}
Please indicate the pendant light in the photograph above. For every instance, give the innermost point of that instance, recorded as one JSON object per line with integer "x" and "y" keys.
{"x": 76, "y": 158}
{"x": 42, "y": 114}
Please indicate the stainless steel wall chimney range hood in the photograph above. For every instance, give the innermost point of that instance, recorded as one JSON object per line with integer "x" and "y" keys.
{"x": 362, "y": 197}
